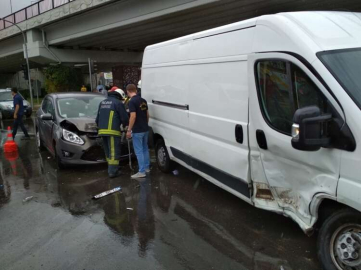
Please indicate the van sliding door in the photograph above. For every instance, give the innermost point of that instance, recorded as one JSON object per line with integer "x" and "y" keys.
{"x": 218, "y": 122}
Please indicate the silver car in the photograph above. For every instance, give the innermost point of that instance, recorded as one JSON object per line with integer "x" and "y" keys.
{"x": 65, "y": 126}
{"x": 7, "y": 105}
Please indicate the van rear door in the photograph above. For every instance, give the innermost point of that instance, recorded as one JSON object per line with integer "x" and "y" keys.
{"x": 279, "y": 85}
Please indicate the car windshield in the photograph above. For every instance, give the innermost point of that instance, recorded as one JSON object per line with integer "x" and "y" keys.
{"x": 345, "y": 66}
{"x": 6, "y": 96}
{"x": 82, "y": 106}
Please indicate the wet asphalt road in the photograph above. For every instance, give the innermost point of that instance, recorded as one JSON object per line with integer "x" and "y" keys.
{"x": 162, "y": 222}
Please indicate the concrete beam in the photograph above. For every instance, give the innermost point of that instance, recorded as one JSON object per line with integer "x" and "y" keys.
{"x": 54, "y": 15}
{"x": 81, "y": 56}
{"x": 39, "y": 54}
{"x": 115, "y": 15}
{"x": 11, "y": 46}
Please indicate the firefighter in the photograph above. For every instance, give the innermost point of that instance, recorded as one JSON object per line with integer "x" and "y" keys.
{"x": 125, "y": 99}
{"x": 111, "y": 115}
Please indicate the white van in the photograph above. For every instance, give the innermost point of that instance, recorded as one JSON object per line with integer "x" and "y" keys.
{"x": 269, "y": 109}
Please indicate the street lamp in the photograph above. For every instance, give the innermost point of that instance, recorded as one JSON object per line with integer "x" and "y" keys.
{"x": 27, "y": 59}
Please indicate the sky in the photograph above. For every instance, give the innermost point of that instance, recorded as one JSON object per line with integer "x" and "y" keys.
{"x": 16, "y": 4}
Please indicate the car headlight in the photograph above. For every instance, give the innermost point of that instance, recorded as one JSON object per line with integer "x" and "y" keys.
{"x": 72, "y": 137}
{"x": 9, "y": 107}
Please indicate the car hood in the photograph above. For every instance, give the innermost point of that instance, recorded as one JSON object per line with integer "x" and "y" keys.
{"x": 11, "y": 103}
{"x": 26, "y": 103}
{"x": 82, "y": 124}
{"x": 7, "y": 103}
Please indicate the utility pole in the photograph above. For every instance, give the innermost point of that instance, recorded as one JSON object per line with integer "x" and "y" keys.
{"x": 11, "y": 7}
{"x": 90, "y": 75}
{"x": 37, "y": 87}
{"x": 26, "y": 58}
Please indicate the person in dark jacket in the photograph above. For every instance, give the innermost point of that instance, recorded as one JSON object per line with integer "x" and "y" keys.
{"x": 18, "y": 114}
{"x": 111, "y": 115}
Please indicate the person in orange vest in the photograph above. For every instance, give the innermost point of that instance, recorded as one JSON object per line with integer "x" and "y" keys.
{"x": 83, "y": 88}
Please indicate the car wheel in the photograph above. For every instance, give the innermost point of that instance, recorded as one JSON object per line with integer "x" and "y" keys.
{"x": 165, "y": 164}
{"x": 339, "y": 241}
{"x": 38, "y": 141}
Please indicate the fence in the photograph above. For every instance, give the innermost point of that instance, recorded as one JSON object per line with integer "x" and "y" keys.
{"x": 32, "y": 11}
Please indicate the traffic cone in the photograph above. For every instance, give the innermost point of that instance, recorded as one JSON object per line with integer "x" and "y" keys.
{"x": 12, "y": 157}
{"x": 10, "y": 146}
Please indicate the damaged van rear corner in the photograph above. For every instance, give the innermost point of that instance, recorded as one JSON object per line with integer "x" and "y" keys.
{"x": 269, "y": 110}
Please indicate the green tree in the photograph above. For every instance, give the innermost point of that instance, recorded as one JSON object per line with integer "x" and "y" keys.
{"x": 62, "y": 79}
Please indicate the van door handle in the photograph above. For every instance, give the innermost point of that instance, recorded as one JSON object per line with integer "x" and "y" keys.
{"x": 261, "y": 139}
{"x": 239, "y": 133}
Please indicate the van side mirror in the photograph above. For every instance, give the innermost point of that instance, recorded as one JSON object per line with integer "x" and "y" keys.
{"x": 310, "y": 129}
{"x": 46, "y": 117}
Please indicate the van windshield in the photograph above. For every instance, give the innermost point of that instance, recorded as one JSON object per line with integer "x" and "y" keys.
{"x": 345, "y": 66}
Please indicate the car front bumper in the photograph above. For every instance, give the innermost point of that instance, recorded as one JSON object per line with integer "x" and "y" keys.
{"x": 91, "y": 152}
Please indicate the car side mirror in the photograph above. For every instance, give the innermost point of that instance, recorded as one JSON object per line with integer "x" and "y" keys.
{"x": 47, "y": 117}
{"x": 310, "y": 129}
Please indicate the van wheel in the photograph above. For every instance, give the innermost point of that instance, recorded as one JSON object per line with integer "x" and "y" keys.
{"x": 339, "y": 241}
{"x": 163, "y": 161}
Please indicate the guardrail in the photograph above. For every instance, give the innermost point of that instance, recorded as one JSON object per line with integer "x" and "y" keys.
{"x": 32, "y": 11}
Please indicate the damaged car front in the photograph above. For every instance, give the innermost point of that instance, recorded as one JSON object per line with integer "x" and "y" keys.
{"x": 79, "y": 143}
{"x": 65, "y": 126}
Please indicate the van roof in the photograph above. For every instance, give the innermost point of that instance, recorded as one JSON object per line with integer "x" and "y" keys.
{"x": 328, "y": 29}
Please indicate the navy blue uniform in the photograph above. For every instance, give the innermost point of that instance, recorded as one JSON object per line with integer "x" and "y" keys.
{"x": 18, "y": 100}
{"x": 139, "y": 106}
{"x": 111, "y": 115}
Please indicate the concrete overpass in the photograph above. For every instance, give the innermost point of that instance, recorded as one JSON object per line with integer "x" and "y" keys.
{"x": 116, "y": 32}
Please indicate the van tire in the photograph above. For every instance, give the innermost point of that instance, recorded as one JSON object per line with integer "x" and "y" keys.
{"x": 165, "y": 164}
{"x": 337, "y": 224}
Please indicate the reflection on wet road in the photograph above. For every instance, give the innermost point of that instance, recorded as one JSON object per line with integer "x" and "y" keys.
{"x": 162, "y": 222}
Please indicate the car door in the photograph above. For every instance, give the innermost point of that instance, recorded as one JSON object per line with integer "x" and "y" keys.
{"x": 49, "y": 125}
{"x": 279, "y": 85}
{"x": 41, "y": 123}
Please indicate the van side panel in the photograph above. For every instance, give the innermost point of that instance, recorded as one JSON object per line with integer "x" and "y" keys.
{"x": 167, "y": 53}
{"x": 164, "y": 87}
{"x": 223, "y": 45}
{"x": 208, "y": 76}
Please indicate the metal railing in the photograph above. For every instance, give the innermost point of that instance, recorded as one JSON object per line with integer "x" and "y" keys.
{"x": 32, "y": 11}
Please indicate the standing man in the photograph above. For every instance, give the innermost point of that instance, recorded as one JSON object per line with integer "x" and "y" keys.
{"x": 138, "y": 129}
{"x": 111, "y": 115}
{"x": 18, "y": 114}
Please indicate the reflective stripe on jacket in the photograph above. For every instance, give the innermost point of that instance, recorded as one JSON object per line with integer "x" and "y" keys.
{"x": 111, "y": 115}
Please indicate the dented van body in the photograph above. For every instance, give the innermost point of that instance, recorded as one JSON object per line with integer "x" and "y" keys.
{"x": 268, "y": 109}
